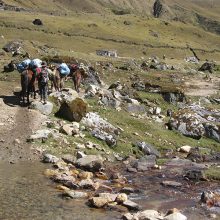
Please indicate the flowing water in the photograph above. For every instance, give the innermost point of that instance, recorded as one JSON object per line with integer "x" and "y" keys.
{"x": 27, "y": 194}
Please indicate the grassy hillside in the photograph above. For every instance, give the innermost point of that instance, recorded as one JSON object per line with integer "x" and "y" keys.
{"x": 66, "y": 31}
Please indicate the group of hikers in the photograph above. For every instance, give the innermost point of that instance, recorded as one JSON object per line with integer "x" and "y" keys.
{"x": 38, "y": 73}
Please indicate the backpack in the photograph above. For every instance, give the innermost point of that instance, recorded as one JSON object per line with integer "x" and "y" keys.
{"x": 43, "y": 76}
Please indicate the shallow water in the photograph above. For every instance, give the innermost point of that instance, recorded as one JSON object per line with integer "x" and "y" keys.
{"x": 26, "y": 194}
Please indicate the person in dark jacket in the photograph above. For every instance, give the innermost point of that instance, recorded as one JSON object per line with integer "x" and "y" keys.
{"x": 43, "y": 79}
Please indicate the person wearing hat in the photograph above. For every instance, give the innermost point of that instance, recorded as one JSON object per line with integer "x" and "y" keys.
{"x": 43, "y": 79}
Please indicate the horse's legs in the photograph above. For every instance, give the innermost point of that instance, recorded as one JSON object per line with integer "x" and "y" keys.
{"x": 34, "y": 91}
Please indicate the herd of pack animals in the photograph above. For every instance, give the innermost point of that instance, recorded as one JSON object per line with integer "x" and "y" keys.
{"x": 29, "y": 79}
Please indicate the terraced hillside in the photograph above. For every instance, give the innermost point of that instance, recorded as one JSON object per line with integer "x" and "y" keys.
{"x": 69, "y": 28}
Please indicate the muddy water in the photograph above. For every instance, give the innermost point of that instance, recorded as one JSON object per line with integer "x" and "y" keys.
{"x": 26, "y": 194}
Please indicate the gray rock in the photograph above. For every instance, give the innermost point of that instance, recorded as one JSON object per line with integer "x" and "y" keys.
{"x": 148, "y": 214}
{"x": 86, "y": 184}
{"x": 174, "y": 97}
{"x": 91, "y": 163}
{"x": 49, "y": 158}
{"x": 45, "y": 109}
{"x": 127, "y": 190}
{"x": 66, "y": 95}
{"x": 196, "y": 121}
{"x": 68, "y": 158}
{"x": 131, "y": 205}
{"x": 110, "y": 196}
{"x": 100, "y": 128}
{"x": 75, "y": 194}
{"x": 212, "y": 131}
{"x": 148, "y": 149}
{"x": 144, "y": 163}
{"x": 128, "y": 216}
{"x": 63, "y": 178}
{"x": 171, "y": 184}
{"x": 40, "y": 134}
{"x": 176, "y": 216}
{"x": 80, "y": 154}
{"x": 195, "y": 174}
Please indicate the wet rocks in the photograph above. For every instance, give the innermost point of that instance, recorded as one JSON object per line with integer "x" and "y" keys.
{"x": 176, "y": 216}
{"x": 75, "y": 194}
{"x": 211, "y": 198}
{"x": 145, "y": 163}
{"x": 91, "y": 163}
{"x": 147, "y": 214}
{"x": 195, "y": 174}
{"x": 148, "y": 149}
{"x": 171, "y": 184}
{"x": 45, "y": 109}
{"x": 98, "y": 202}
{"x": 73, "y": 111}
{"x": 153, "y": 215}
{"x": 132, "y": 206}
{"x": 121, "y": 198}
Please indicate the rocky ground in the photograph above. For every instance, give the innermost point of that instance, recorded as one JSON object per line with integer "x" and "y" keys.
{"x": 137, "y": 145}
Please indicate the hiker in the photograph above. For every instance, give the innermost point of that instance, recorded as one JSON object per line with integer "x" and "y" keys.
{"x": 43, "y": 79}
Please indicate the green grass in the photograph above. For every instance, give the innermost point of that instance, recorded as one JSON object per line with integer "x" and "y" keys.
{"x": 213, "y": 173}
{"x": 74, "y": 33}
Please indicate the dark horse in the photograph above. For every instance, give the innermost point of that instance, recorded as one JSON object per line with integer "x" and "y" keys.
{"x": 28, "y": 80}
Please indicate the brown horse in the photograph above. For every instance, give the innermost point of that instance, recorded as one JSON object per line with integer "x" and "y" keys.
{"x": 28, "y": 80}
{"x": 78, "y": 76}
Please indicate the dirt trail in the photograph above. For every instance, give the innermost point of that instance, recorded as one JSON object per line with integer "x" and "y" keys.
{"x": 16, "y": 124}
{"x": 202, "y": 87}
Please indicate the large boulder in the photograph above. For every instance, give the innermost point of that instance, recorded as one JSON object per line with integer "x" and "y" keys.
{"x": 73, "y": 111}
{"x": 45, "y": 109}
{"x": 174, "y": 97}
{"x": 196, "y": 121}
{"x": 100, "y": 128}
{"x": 91, "y": 163}
{"x": 66, "y": 95}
